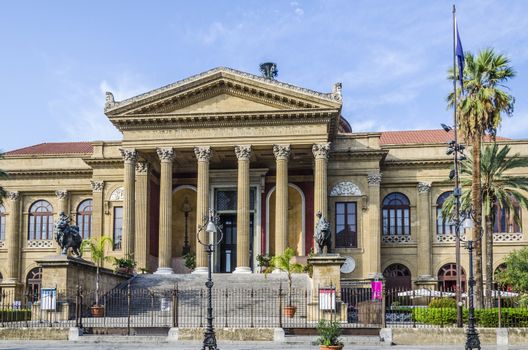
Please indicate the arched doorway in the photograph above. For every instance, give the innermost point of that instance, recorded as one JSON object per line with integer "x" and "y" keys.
{"x": 447, "y": 276}
{"x": 34, "y": 283}
{"x": 397, "y": 276}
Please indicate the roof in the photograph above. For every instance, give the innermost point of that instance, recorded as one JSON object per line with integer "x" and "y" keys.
{"x": 53, "y": 148}
{"x": 419, "y": 136}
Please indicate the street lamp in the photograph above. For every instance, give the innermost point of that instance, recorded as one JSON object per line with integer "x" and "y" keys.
{"x": 472, "y": 336}
{"x": 213, "y": 230}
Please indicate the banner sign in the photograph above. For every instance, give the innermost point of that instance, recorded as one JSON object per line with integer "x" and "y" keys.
{"x": 48, "y": 298}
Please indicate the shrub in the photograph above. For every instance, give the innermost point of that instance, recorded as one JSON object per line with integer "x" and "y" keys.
{"x": 511, "y": 317}
{"x": 435, "y": 316}
{"x": 442, "y": 303}
{"x": 12, "y": 315}
{"x": 329, "y": 332}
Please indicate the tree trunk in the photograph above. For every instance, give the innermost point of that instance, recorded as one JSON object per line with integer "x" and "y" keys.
{"x": 477, "y": 221}
{"x": 289, "y": 289}
{"x": 97, "y": 286}
{"x": 489, "y": 260}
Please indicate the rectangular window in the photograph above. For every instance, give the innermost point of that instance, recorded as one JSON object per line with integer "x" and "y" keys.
{"x": 2, "y": 227}
{"x": 118, "y": 227}
{"x": 346, "y": 225}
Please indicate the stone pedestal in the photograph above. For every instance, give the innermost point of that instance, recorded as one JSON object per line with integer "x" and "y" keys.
{"x": 12, "y": 291}
{"x": 326, "y": 274}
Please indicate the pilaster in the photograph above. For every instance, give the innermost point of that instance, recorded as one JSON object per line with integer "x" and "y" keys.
{"x": 373, "y": 238}
{"x": 13, "y": 237}
{"x": 142, "y": 215}
{"x": 203, "y": 155}
{"x": 243, "y": 154}
{"x": 423, "y": 251}
{"x": 282, "y": 153}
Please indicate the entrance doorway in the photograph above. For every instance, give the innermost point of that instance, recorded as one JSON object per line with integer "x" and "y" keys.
{"x": 228, "y": 246}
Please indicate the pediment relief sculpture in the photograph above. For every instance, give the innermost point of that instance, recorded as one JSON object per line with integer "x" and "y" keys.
{"x": 345, "y": 189}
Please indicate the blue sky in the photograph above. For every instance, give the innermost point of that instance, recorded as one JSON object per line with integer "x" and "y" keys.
{"x": 59, "y": 57}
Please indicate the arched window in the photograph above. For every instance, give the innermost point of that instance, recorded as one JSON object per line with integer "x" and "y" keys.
{"x": 444, "y": 226}
{"x": 33, "y": 283}
{"x": 2, "y": 223}
{"x": 504, "y": 220}
{"x": 40, "y": 221}
{"x": 396, "y": 215}
{"x": 397, "y": 276}
{"x": 84, "y": 218}
{"x": 447, "y": 277}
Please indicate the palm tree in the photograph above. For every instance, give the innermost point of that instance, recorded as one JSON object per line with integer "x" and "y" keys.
{"x": 480, "y": 106}
{"x": 284, "y": 264}
{"x": 497, "y": 189}
{"x": 97, "y": 249}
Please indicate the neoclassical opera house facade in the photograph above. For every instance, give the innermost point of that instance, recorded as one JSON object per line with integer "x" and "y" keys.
{"x": 267, "y": 156}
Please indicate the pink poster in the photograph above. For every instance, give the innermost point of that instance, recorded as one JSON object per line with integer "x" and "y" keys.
{"x": 377, "y": 290}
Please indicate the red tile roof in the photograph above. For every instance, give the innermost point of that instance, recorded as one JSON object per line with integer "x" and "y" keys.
{"x": 53, "y": 148}
{"x": 419, "y": 136}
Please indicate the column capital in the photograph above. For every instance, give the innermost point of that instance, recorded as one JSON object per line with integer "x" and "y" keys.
{"x": 374, "y": 179}
{"x": 142, "y": 167}
{"x": 243, "y": 152}
{"x": 281, "y": 151}
{"x": 97, "y": 185}
{"x": 202, "y": 153}
{"x": 13, "y": 195}
{"x": 424, "y": 187}
{"x": 61, "y": 194}
{"x": 321, "y": 150}
{"x": 165, "y": 154}
{"x": 129, "y": 155}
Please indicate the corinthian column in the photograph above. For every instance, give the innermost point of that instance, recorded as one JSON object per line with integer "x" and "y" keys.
{"x": 373, "y": 240}
{"x": 282, "y": 153}
{"x": 166, "y": 156}
{"x": 243, "y": 154}
{"x": 129, "y": 217}
{"x": 203, "y": 154}
{"x": 13, "y": 237}
{"x": 98, "y": 208}
{"x": 142, "y": 215}
{"x": 424, "y": 236}
{"x": 320, "y": 152}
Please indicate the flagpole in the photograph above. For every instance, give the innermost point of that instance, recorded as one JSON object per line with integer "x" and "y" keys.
{"x": 457, "y": 195}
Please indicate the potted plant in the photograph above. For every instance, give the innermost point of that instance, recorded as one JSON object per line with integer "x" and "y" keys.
{"x": 329, "y": 332}
{"x": 97, "y": 248}
{"x": 190, "y": 260}
{"x": 125, "y": 265}
{"x": 284, "y": 264}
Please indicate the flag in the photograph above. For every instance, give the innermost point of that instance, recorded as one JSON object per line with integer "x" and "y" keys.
{"x": 459, "y": 52}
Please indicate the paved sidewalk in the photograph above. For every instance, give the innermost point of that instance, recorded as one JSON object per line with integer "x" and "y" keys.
{"x": 59, "y": 345}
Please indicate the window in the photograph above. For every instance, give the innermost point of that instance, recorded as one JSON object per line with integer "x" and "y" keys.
{"x": 2, "y": 223}
{"x": 84, "y": 218}
{"x": 118, "y": 227}
{"x": 33, "y": 283}
{"x": 504, "y": 220}
{"x": 397, "y": 276}
{"x": 346, "y": 225}
{"x": 396, "y": 215}
{"x": 444, "y": 226}
{"x": 447, "y": 276}
{"x": 40, "y": 221}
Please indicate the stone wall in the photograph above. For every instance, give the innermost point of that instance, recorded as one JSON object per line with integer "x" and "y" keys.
{"x": 440, "y": 336}
{"x": 41, "y": 333}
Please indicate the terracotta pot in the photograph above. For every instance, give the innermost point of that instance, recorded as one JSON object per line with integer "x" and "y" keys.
{"x": 289, "y": 311}
{"x": 330, "y": 347}
{"x": 97, "y": 311}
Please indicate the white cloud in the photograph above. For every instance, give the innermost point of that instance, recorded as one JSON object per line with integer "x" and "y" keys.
{"x": 514, "y": 127}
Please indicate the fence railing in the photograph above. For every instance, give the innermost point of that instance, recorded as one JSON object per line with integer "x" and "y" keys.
{"x": 355, "y": 305}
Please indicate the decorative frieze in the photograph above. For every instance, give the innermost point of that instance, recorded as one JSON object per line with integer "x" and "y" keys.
{"x": 281, "y": 151}
{"x": 165, "y": 154}
{"x": 396, "y": 239}
{"x": 321, "y": 150}
{"x": 2, "y": 244}
{"x": 345, "y": 189}
{"x": 40, "y": 244}
{"x": 374, "y": 179}
{"x": 448, "y": 238}
{"x": 129, "y": 155}
{"x": 142, "y": 167}
{"x": 243, "y": 152}
{"x": 507, "y": 237}
{"x": 202, "y": 153}
{"x": 13, "y": 195}
{"x": 61, "y": 194}
{"x": 97, "y": 185}
{"x": 118, "y": 194}
{"x": 424, "y": 187}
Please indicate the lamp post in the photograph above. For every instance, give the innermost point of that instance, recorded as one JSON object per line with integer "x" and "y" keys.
{"x": 186, "y": 208}
{"x": 213, "y": 230}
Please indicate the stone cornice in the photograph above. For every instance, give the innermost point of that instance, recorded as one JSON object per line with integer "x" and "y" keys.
{"x": 191, "y": 120}
{"x": 98, "y": 163}
{"x": 116, "y": 107}
{"x": 361, "y": 153}
{"x": 417, "y": 162}
{"x": 50, "y": 173}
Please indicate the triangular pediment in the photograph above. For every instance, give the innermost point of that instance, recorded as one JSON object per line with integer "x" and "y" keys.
{"x": 223, "y": 90}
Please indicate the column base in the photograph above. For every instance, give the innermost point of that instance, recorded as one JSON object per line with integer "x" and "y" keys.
{"x": 242, "y": 269}
{"x": 199, "y": 270}
{"x": 164, "y": 271}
